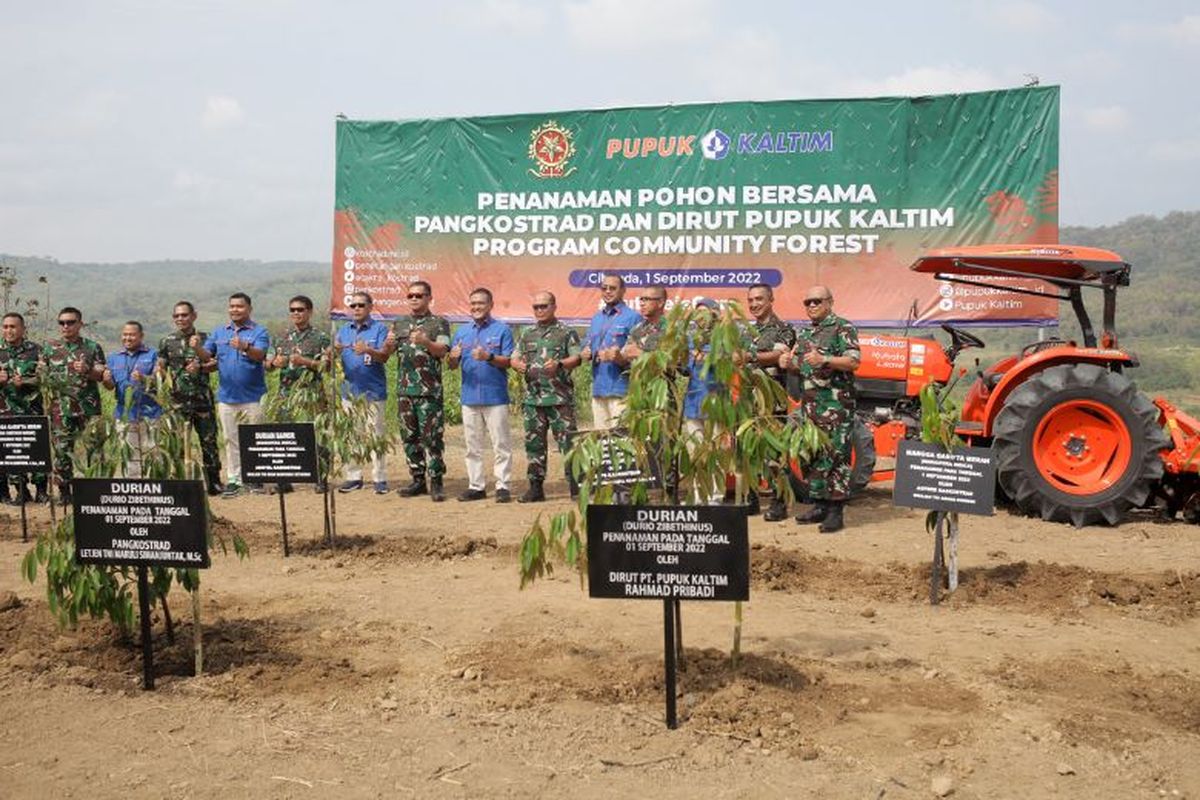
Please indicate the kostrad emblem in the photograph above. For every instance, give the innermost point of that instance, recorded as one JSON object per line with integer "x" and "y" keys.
{"x": 714, "y": 145}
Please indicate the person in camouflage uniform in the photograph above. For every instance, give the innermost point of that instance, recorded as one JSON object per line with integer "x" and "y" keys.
{"x": 73, "y": 368}
{"x": 181, "y": 354}
{"x": 421, "y": 340}
{"x": 644, "y": 338}
{"x": 825, "y": 358}
{"x": 303, "y": 351}
{"x": 20, "y": 396}
{"x": 645, "y": 335}
{"x": 772, "y": 337}
{"x": 546, "y": 354}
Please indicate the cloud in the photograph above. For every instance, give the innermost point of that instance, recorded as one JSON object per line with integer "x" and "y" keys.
{"x": 1184, "y": 32}
{"x": 187, "y": 180}
{"x": 1175, "y": 151}
{"x": 506, "y": 16}
{"x": 635, "y": 24}
{"x": 1018, "y": 16}
{"x": 925, "y": 80}
{"x": 1106, "y": 118}
{"x": 222, "y": 112}
{"x": 749, "y": 64}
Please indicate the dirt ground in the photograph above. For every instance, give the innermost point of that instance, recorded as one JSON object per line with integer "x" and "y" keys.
{"x": 406, "y": 663}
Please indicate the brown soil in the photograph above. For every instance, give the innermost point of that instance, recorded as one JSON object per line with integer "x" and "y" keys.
{"x": 404, "y": 662}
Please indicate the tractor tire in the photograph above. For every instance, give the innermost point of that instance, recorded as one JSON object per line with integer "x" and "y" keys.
{"x": 1078, "y": 444}
{"x": 862, "y": 456}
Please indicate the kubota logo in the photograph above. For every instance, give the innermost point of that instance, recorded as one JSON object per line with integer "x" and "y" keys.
{"x": 642, "y": 147}
{"x": 551, "y": 146}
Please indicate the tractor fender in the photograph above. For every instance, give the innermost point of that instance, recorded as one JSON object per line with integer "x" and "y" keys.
{"x": 1024, "y": 369}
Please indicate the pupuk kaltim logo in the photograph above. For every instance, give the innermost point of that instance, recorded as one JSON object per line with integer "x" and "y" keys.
{"x": 551, "y": 147}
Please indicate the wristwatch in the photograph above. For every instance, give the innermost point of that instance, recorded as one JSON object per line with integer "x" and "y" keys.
{"x": 491, "y": 357}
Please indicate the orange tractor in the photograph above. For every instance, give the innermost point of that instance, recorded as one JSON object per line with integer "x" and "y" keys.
{"x": 1074, "y": 439}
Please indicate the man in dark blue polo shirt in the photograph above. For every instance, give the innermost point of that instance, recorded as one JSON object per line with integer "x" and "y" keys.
{"x": 606, "y": 337}
{"x": 240, "y": 349}
{"x": 362, "y": 345}
{"x": 483, "y": 348}
{"x": 130, "y": 373}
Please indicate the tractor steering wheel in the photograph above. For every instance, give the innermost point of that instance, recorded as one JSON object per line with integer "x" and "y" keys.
{"x": 960, "y": 340}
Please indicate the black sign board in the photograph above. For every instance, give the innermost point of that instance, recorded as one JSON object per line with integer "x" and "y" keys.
{"x": 668, "y": 552}
{"x": 278, "y": 453}
{"x": 618, "y": 466}
{"x": 24, "y": 444}
{"x": 927, "y": 476}
{"x": 140, "y": 522}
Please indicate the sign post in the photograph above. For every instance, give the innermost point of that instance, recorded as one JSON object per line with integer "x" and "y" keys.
{"x": 949, "y": 482}
{"x": 280, "y": 454}
{"x": 24, "y": 448}
{"x": 141, "y": 522}
{"x": 671, "y": 553}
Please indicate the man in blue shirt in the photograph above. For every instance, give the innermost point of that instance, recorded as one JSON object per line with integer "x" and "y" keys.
{"x": 606, "y": 337}
{"x": 483, "y": 348}
{"x": 240, "y": 349}
{"x": 130, "y": 373}
{"x": 362, "y": 344}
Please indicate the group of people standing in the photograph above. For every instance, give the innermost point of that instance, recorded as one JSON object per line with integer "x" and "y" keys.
{"x": 816, "y": 363}
{"x": 72, "y": 368}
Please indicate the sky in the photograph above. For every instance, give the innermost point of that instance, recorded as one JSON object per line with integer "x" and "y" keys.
{"x": 205, "y": 130}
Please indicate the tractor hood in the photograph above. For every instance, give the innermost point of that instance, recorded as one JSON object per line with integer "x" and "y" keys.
{"x": 1045, "y": 261}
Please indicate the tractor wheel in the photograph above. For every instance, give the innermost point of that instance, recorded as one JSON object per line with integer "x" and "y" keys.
{"x": 862, "y": 456}
{"x": 1078, "y": 444}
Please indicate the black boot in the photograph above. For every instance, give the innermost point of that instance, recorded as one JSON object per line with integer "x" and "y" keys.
{"x": 214, "y": 482}
{"x": 436, "y": 491}
{"x": 414, "y": 489}
{"x": 816, "y": 514}
{"x": 777, "y": 511}
{"x": 534, "y": 494}
{"x": 753, "y": 508}
{"x": 833, "y": 520}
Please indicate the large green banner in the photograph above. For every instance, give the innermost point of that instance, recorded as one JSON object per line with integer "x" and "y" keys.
{"x": 703, "y": 199}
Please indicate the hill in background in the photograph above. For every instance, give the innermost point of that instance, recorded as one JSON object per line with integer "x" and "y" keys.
{"x": 1156, "y": 314}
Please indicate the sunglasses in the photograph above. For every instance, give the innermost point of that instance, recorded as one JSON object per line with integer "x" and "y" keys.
{"x": 652, "y": 299}
{"x": 357, "y": 305}
{"x": 416, "y": 295}
{"x": 299, "y": 310}
{"x": 540, "y": 306}
{"x": 813, "y": 302}
{"x": 66, "y": 322}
